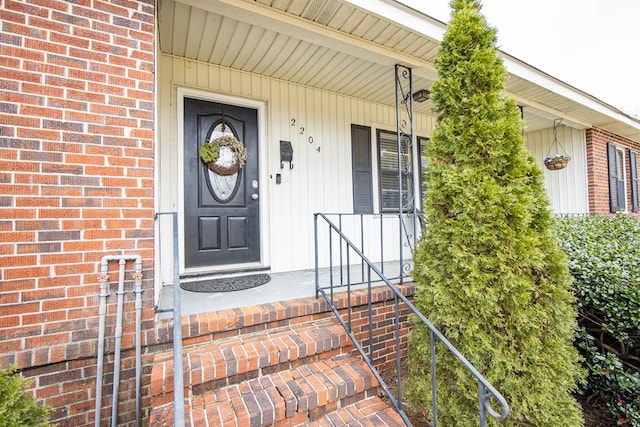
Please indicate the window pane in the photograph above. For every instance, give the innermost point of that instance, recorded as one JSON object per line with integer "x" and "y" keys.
{"x": 388, "y": 152}
{"x": 388, "y": 172}
{"x": 422, "y": 144}
{"x": 620, "y": 163}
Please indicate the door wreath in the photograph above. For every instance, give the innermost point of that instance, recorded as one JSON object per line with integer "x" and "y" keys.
{"x": 210, "y": 155}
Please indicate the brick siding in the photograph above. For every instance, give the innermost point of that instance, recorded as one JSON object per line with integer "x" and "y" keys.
{"x": 597, "y": 168}
{"x": 76, "y": 184}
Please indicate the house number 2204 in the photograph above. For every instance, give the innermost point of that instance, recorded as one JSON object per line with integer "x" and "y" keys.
{"x": 301, "y": 132}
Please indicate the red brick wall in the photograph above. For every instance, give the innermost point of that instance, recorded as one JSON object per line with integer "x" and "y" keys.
{"x": 383, "y": 327}
{"x": 76, "y": 184}
{"x": 597, "y": 170}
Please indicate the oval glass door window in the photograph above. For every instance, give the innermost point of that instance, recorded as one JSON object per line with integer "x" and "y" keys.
{"x": 223, "y": 188}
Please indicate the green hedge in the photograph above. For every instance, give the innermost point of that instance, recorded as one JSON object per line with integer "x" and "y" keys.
{"x": 604, "y": 256}
{"x": 18, "y": 408}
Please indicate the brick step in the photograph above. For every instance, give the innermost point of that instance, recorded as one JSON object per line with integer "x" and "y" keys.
{"x": 365, "y": 413}
{"x": 284, "y": 364}
{"x": 227, "y": 361}
{"x": 289, "y": 398}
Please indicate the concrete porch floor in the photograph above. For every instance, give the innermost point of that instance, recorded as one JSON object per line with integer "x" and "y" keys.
{"x": 282, "y": 286}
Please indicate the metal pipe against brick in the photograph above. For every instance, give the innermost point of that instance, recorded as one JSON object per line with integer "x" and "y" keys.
{"x": 103, "y": 279}
{"x": 118, "y": 343}
{"x": 178, "y": 370}
{"x": 137, "y": 276}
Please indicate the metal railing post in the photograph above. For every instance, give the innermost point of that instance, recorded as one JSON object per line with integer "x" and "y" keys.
{"x": 178, "y": 370}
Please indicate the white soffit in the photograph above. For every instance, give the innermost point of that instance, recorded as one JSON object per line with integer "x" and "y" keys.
{"x": 351, "y": 46}
{"x": 301, "y": 28}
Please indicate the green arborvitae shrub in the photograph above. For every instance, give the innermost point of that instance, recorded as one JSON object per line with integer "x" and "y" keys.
{"x": 604, "y": 259}
{"x": 18, "y": 408}
{"x": 490, "y": 273}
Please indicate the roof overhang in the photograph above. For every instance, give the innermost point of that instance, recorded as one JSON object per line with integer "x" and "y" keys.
{"x": 351, "y": 47}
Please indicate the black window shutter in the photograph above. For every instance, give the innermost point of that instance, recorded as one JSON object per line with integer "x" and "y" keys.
{"x": 633, "y": 169}
{"x": 361, "y": 163}
{"x": 614, "y": 204}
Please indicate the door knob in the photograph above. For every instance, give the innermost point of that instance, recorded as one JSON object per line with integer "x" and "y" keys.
{"x": 254, "y": 196}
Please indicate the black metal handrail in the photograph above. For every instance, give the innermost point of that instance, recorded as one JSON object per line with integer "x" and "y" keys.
{"x": 485, "y": 390}
{"x": 392, "y": 242}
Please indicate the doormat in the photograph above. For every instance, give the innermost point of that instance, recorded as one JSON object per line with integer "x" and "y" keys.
{"x": 226, "y": 284}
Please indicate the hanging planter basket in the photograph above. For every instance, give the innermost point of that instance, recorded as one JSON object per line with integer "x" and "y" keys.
{"x": 557, "y": 162}
{"x": 210, "y": 155}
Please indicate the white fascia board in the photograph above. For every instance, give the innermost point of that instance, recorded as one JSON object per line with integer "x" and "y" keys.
{"x": 537, "y": 77}
{"x": 425, "y": 25}
{"x": 405, "y": 16}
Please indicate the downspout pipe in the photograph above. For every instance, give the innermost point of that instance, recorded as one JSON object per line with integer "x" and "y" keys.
{"x": 178, "y": 369}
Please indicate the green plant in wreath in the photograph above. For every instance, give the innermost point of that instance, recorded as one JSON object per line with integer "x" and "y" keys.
{"x": 210, "y": 154}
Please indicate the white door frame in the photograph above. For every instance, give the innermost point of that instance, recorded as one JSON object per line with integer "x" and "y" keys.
{"x": 183, "y": 92}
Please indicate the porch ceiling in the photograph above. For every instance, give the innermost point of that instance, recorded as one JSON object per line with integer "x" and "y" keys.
{"x": 338, "y": 46}
{"x": 326, "y": 44}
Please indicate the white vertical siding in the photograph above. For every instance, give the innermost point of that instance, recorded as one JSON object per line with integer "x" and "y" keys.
{"x": 567, "y": 188}
{"x": 321, "y": 178}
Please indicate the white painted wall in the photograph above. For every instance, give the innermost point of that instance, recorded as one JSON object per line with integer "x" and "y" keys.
{"x": 321, "y": 178}
{"x": 567, "y": 188}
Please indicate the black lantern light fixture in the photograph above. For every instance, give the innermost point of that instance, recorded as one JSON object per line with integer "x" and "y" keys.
{"x": 421, "y": 95}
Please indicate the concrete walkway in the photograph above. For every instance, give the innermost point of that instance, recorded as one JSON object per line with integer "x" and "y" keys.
{"x": 282, "y": 286}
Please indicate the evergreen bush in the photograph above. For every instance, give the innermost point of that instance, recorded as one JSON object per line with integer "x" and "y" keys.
{"x": 604, "y": 257}
{"x": 491, "y": 275}
{"x": 17, "y": 408}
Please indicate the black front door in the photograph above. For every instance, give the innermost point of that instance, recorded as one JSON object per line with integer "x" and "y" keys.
{"x": 221, "y": 212}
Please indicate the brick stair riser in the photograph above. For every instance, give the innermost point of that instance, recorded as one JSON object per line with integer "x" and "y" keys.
{"x": 284, "y": 398}
{"x": 284, "y": 364}
{"x": 213, "y": 365}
